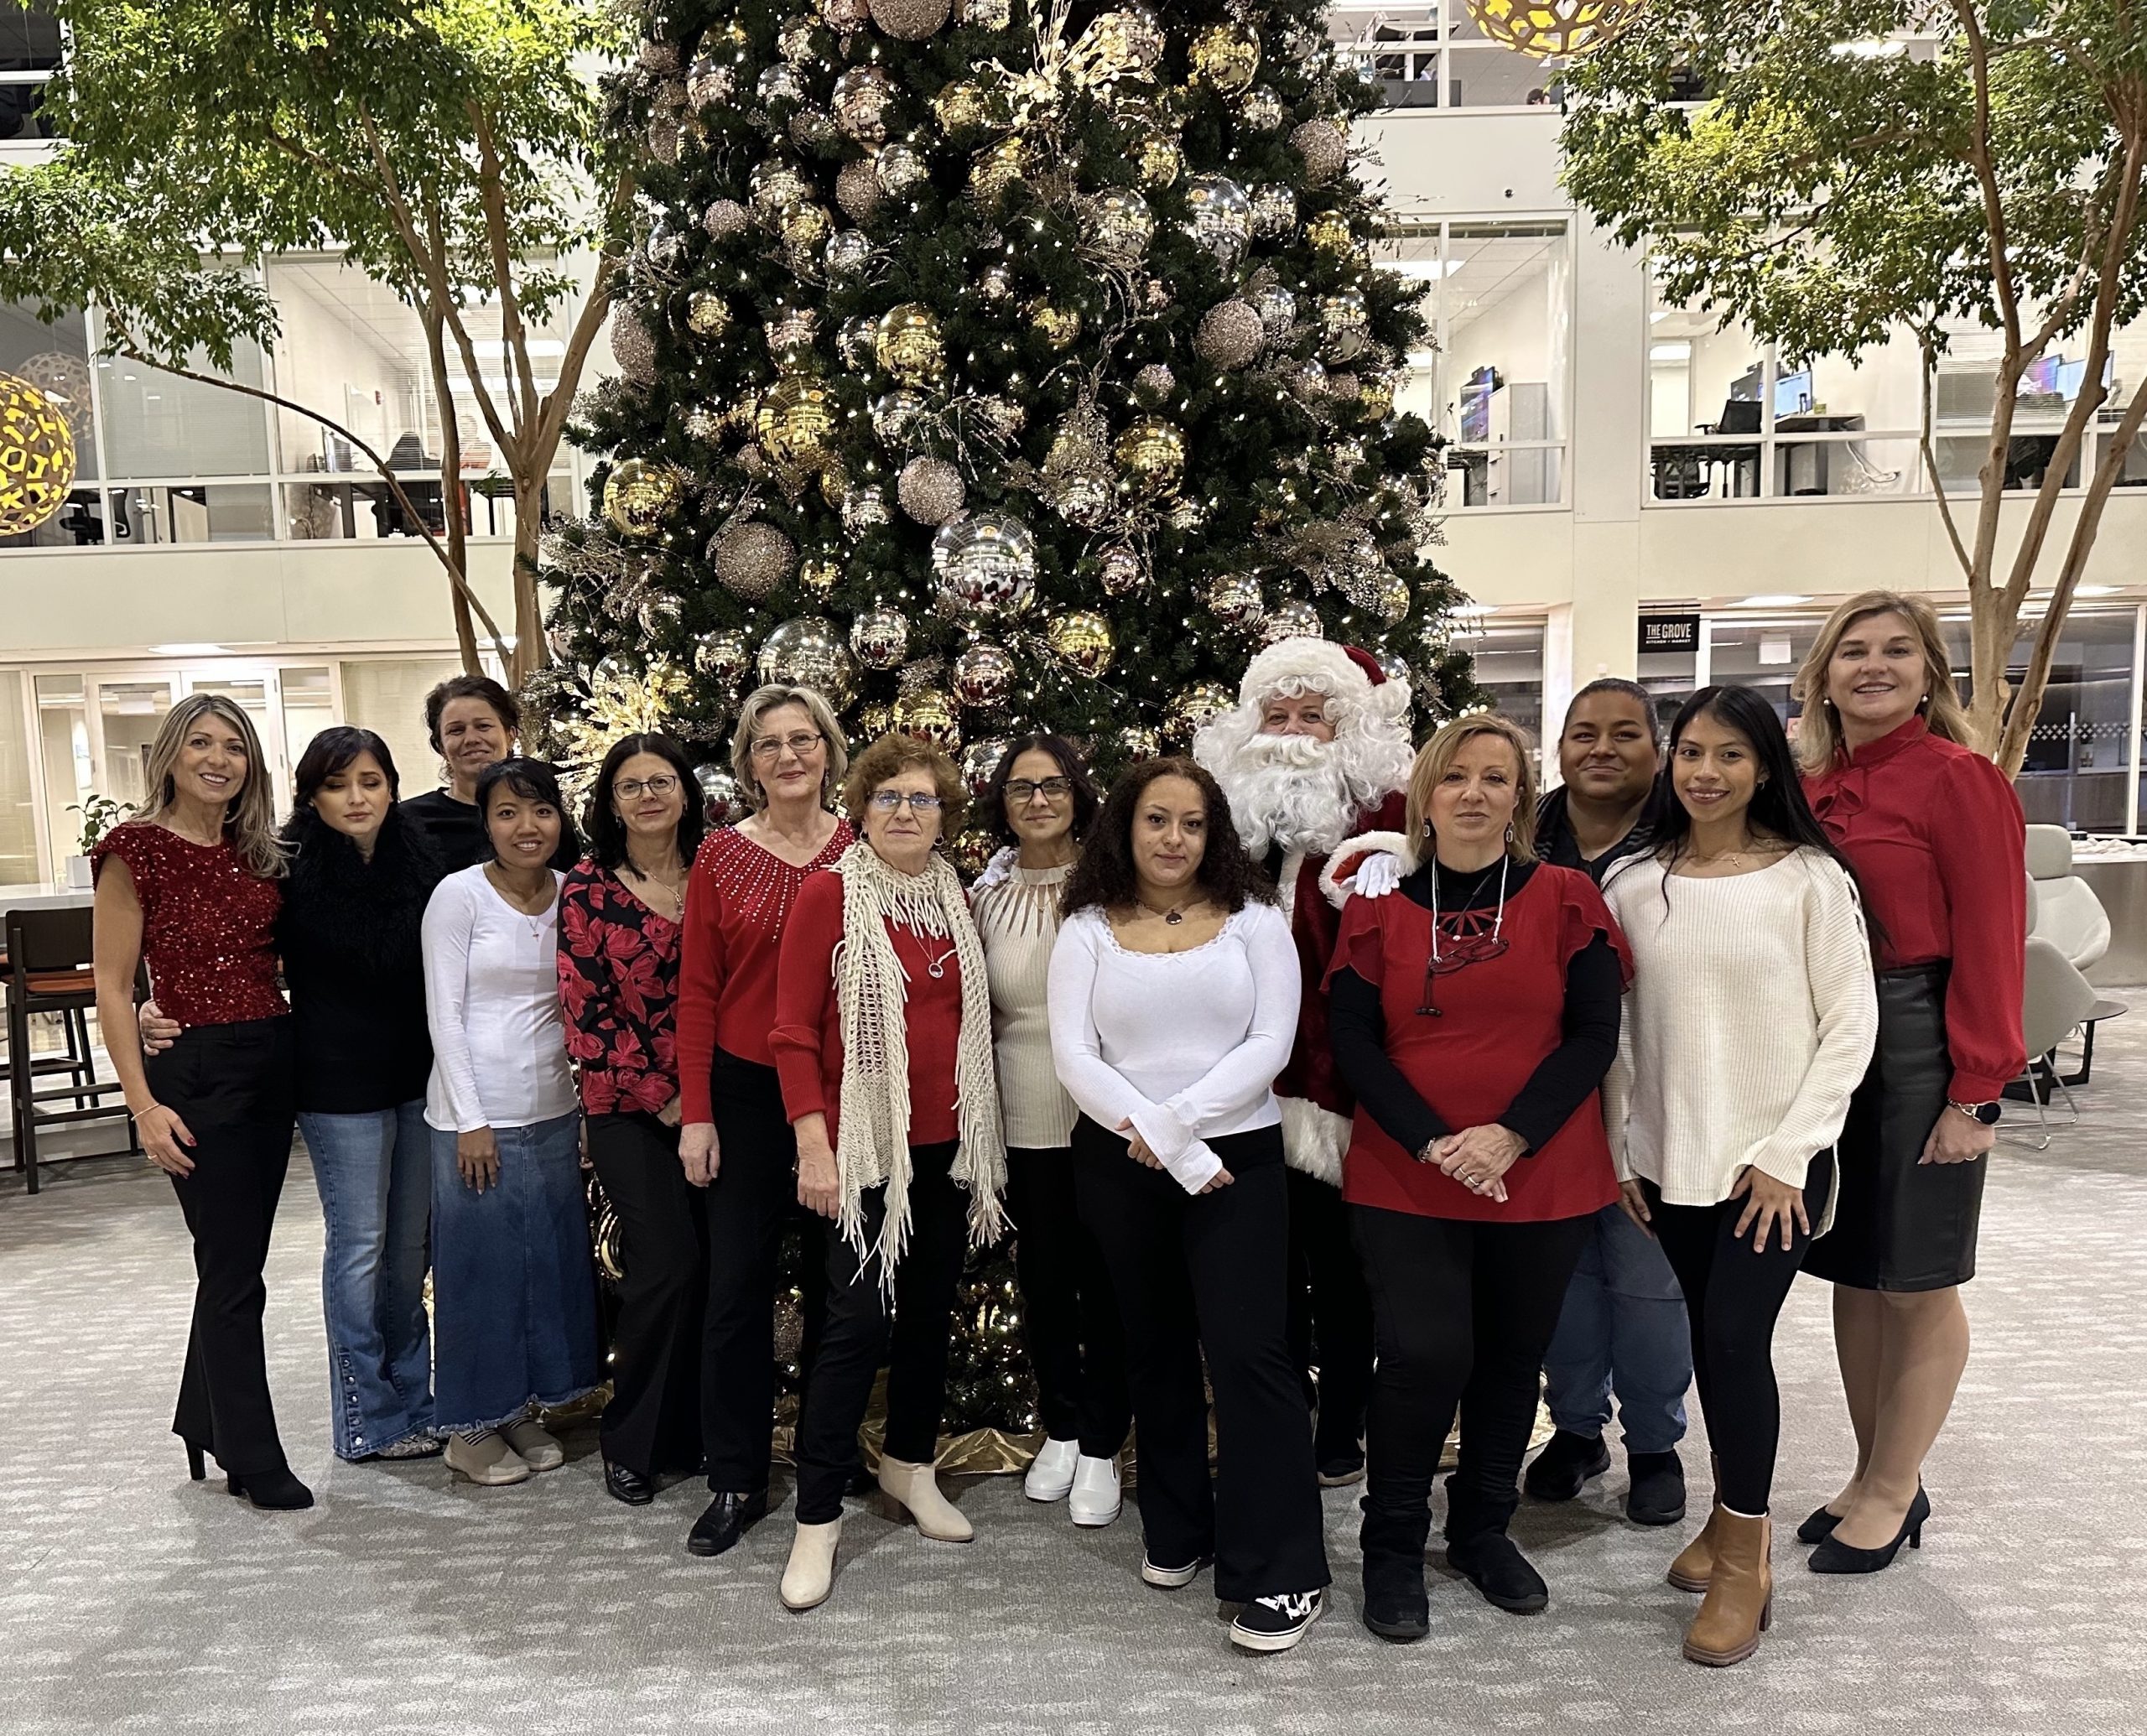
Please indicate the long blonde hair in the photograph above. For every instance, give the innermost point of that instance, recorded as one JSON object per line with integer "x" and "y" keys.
{"x": 250, "y": 816}
{"x": 1439, "y": 753}
{"x": 758, "y": 703}
{"x": 1819, "y": 732}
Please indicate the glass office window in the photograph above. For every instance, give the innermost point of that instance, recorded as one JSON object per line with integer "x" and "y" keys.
{"x": 387, "y": 695}
{"x": 145, "y": 514}
{"x": 1763, "y": 654}
{"x": 158, "y": 424}
{"x": 18, "y": 863}
{"x": 29, "y": 52}
{"x": 1435, "y": 55}
{"x": 1509, "y": 656}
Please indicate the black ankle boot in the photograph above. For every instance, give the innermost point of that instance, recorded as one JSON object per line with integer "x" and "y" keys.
{"x": 1396, "y": 1605}
{"x": 276, "y": 1491}
{"x": 1657, "y": 1494}
{"x": 1477, "y": 1547}
{"x": 1563, "y": 1466}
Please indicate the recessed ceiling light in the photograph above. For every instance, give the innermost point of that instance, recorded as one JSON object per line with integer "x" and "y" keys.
{"x": 1774, "y": 599}
{"x": 187, "y": 649}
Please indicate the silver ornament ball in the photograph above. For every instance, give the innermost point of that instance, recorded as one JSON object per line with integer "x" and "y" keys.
{"x": 986, "y": 563}
{"x": 807, "y": 652}
{"x": 752, "y": 559}
{"x": 880, "y": 637}
{"x": 983, "y": 674}
{"x": 1230, "y": 334}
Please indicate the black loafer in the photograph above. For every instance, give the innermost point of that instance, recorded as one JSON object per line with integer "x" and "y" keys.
{"x": 1560, "y": 1469}
{"x": 1494, "y": 1564}
{"x": 623, "y": 1484}
{"x": 725, "y": 1519}
{"x": 1657, "y": 1494}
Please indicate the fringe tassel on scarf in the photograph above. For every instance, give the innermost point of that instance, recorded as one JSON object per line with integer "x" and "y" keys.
{"x": 872, "y": 1143}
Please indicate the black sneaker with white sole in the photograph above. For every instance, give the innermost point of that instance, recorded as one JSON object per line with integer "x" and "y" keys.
{"x": 1173, "y": 1578}
{"x": 1276, "y": 1624}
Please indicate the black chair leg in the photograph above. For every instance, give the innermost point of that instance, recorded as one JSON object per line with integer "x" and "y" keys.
{"x": 22, "y": 1081}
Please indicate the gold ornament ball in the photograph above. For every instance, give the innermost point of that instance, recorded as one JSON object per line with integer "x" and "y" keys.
{"x": 638, "y": 494}
{"x": 983, "y": 674}
{"x": 835, "y": 483}
{"x": 961, "y": 107}
{"x": 820, "y": 574}
{"x": 1137, "y": 742}
{"x": 1375, "y": 396}
{"x": 909, "y": 345}
{"x": 874, "y": 721}
{"x": 997, "y": 167}
{"x": 1058, "y": 326}
{"x": 1329, "y": 233}
{"x": 979, "y": 762}
{"x": 1120, "y": 570}
{"x": 773, "y": 188}
{"x": 804, "y": 227}
{"x": 1261, "y": 110}
{"x": 1225, "y": 56}
{"x": 865, "y": 509}
{"x": 1274, "y": 209}
{"x": 880, "y": 637}
{"x": 752, "y": 559}
{"x": 911, "y": 20}
{"x": 900, "y": 168}
{"x": 1235, "y": 600}
{"x": 780, "y": 84}
{"x": 1546, "y": 29}
{"x": 1082, "y": 640}
{"x": 1151, "y": 453}
{"x": 1394, "y": 598}
{"x": 710, "y": 82}
{"x": 986, "y": 563}
{"x": 894, "y": 416}
{"x": 931, "y": 491}
{"x": 1158, "y": 161}
{"x": 971, "y": 851}
{"x": 807, "y": 652}
{"x": 1195, "y": 707}
{"x": 708, "y": 314}
{"x": 1123, "y": 42}
{"x": 723, "y": 656}
{"x": 929, "y": 715}
{"x": 1119, "y": 225}
{"x": 37, "y": 457}
{"x": 796, "y": 422}
{"x": 703, "y": 423}
{"x": 1082, "y": 498}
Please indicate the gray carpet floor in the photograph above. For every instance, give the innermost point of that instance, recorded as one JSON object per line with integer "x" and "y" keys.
{"x": 131, "y": 1600}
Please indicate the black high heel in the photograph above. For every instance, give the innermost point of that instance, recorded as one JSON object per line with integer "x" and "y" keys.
{"x": 1835, "y": 1556}
{"x": 194, "y": 1469}
{"x": 276, "y": 1491}
{"x": 1818, "y": 1526}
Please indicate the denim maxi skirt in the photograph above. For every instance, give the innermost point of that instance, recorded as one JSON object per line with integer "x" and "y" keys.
{"x": 514, "y": 1290}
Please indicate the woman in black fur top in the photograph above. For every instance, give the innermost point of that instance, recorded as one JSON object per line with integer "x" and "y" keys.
{"x": 360, "y": 873}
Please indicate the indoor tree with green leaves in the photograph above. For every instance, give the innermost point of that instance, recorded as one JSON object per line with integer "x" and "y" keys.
{"x": 997, "y": 366}
{"x": 1862, "y": 165}
{"x": 452, "y": 150}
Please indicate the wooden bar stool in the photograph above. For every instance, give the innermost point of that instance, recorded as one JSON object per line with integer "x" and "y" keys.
{"x": 49, "y": 972}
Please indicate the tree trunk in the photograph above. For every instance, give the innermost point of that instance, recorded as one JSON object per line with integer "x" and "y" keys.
{"x": 533, "y": 650}
{"x": 450, "y": 487}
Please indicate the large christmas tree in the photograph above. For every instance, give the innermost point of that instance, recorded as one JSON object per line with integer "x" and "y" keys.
{"x": 986, "y": 366}
{"x": 1022, "y": 367}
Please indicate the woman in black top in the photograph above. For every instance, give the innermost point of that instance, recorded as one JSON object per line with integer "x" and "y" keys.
{"x": 473, "y": 722}
{"x": 360, "y": 875}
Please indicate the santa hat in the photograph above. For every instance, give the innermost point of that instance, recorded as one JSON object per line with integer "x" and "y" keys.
{"x": 1349, "y": 675}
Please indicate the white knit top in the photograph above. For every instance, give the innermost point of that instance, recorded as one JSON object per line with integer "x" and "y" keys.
{"x": 1185, "y": 1045}
{"x": 1016, "y": 913}
{"x": 1749, "y": 1022}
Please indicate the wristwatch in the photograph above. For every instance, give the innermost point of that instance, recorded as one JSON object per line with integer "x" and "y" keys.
{"x": 1986, "y": 1113}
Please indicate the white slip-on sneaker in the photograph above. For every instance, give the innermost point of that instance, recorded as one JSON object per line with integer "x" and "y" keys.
{"x": 1095, "y": 1499}
{"x": 1051, "y": 1472}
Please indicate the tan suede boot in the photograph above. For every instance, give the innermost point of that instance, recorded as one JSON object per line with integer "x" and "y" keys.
{"x": 810, "y": 1575}
{"x": 1696, "y": 1560}
{"x": 912, "y": 1491}
{"x": 1739, "y": 1604}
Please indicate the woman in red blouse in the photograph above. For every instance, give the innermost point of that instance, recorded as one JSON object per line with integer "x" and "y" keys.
{"x": 789, "y": 757}
{"x": 620, "y": 912}
{"x": 883, "y": 1040}
{"x": 1474, "y": 1013}
{"x": 1935, "y": 834}
{"x": 193, "y": 889}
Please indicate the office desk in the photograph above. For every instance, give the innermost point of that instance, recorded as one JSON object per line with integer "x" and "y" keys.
{"x": 1814, "y": 466}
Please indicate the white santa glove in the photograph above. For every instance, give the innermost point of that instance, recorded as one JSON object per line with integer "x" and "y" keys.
{"x": 1376, "y": 876}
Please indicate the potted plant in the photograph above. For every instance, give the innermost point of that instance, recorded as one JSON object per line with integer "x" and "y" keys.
{"x": 100, "y": 814}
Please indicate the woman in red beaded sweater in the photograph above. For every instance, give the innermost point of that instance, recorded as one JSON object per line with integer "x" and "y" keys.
{"x": 621, "y": 914}
{"x": 735, "y": 1141}
{"x": 193, "y": 889}
{"x": 1936, "y": 835}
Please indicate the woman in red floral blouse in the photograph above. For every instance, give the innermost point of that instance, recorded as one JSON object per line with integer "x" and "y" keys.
{"x": 621, "y": 913}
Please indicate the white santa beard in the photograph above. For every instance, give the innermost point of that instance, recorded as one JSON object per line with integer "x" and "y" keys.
{"x": 1291, "y": 791}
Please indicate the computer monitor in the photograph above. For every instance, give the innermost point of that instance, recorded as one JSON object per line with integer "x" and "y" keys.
{"x": 1746, "y": 385}
{"x": 2071, "y": 376}
{"x": 1793, "y": 393}
{"x": 2044, "y": 376}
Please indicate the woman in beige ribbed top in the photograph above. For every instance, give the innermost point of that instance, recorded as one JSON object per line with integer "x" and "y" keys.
{"x": 1041, "y": 799}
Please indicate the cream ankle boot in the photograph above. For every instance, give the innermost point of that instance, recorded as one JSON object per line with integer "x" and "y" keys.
{"x": 913, "y": 1491}
{"x": 810, "y": 1575}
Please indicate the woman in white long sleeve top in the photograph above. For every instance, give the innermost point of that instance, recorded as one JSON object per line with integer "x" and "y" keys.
{"x": 514, "y": 1292}
{"x": 1173, "y": 999}
{"x": 1749, "y": 1023}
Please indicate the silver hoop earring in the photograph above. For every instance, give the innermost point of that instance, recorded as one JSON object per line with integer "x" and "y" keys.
{"x": 1509, "y": 833}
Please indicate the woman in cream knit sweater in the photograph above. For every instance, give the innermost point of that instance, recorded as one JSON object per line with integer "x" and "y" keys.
{"x": 1750, "y": 1021}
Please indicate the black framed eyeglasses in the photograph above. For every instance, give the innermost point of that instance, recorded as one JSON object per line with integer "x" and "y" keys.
{"x": 1052, "y": 789}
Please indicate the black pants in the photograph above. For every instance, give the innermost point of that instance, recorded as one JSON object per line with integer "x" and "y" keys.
{"x": 232, "y": 1086}
{"x": 860, "y": 1334}
{"x": 1733, "y": 1298}
{"x": 653, "y": 1424}
{"x": 752, "y": 1197}
{"x": 1463, "y": 1312}
{"x": 1330, "y": 1316}
{"x": 1069, "y": 1321}
{"x": 1196, "y": 1273}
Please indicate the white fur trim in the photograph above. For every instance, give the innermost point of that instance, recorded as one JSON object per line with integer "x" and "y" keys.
{"x": 1319, "y": 663}
{"x": 1313, "y": 1139}
{"x": 1345, "y": 856}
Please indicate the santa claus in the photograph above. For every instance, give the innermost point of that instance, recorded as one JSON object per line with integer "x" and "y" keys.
{"x": 1317, "y": 752}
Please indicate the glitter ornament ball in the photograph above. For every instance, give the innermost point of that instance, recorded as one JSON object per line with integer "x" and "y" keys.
{"x": 931, "y": 490}
{"x": 640, "y": 494}
{"x": 632, "y": 346}
{"x": 723, "y": 219}
{"x": 880, "y": 637}
{"x": 986, "y": 563}
{"x": 910, "y": 20}
{"x": 752, "y": 559}
{"x": 858, "y": 190}
{"x": 807, "y": 652}
{"x": 1230, "y": 334}
{"x": 1323, "y": 147}
{"x": 983, "y": 674}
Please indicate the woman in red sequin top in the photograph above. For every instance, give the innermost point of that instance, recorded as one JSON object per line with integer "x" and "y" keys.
{"x": 789, "y": 757}
{"x": 620, "y": 915}
{"x": 1936, "y": 838}
{"x": 193, "y": 889}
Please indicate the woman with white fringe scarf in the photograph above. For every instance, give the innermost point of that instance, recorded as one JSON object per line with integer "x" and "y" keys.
{"x": 883, "y": 1040}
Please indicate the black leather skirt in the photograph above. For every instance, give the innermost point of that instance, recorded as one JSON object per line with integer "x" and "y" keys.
{"x": 1902, "y": 1224}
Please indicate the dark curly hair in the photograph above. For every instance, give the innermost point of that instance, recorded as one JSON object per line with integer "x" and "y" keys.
{"x": 1104, "y": 875}
{"x": 1086, "y": 800}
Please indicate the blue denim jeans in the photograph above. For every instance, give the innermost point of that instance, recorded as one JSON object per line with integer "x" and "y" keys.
{"x": 514, "y": 1288}
{"x": 374, "y": 1172}
{"x": 1622, "y": 1326}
